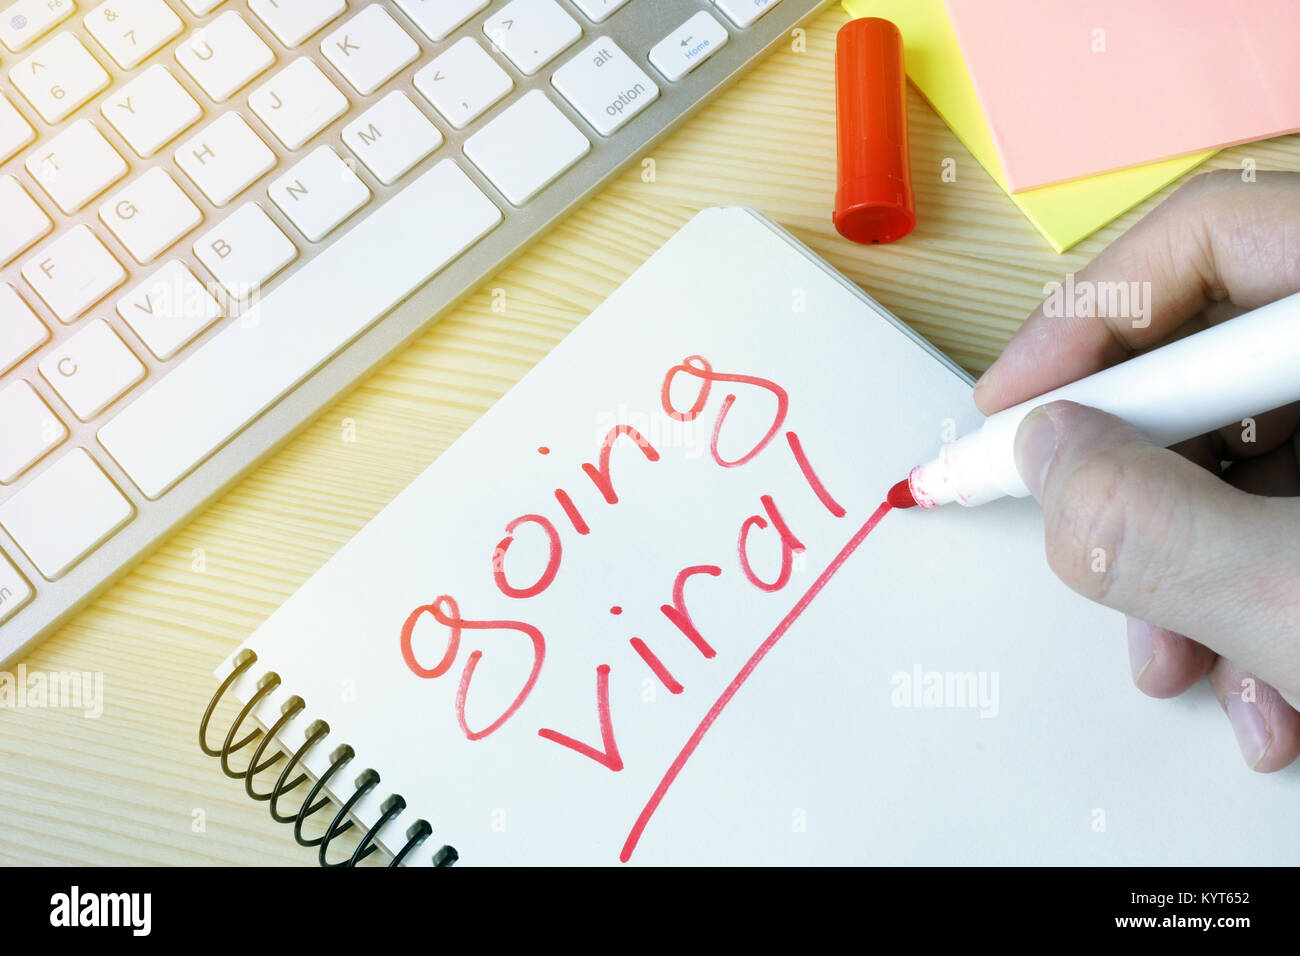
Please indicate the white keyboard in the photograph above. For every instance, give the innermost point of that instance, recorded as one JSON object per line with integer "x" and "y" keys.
{"x": 217, "y": 215}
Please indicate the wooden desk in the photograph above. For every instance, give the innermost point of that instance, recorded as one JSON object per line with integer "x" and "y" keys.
{"x": 128, "y": 787}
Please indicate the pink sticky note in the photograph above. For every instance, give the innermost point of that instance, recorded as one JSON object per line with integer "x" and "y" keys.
{"x": 1076, "y": 89}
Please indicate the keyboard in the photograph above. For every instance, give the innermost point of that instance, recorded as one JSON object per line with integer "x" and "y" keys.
{"x": 216, "y": 216}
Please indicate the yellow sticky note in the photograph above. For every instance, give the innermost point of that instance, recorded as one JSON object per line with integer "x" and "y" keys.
{"x": 1064, "y": 214}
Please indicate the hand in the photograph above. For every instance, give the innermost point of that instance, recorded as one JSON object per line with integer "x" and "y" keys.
{"x": 1204, "y": 558}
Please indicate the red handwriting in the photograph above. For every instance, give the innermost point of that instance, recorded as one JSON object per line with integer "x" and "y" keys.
{"x": 753, "y": 394}
{"x": 609, "y": 757}
{"x": 453, "y": 639}
{"x": 699, "y": 367}
{"x": 571, "y": 512}
{"x": 600, "y": 476}
{"x": 806, "y": 468}
{"x": 675, "y": 768}
{"x": 790, "y": 545}
{"x": 552, "y": 562}
{"x": 656, "y": 666}
{"x": 677, "y": 613}
{"x": 446, "y": 612}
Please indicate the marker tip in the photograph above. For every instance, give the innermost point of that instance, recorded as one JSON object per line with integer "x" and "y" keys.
{"x": 900, "y": 496}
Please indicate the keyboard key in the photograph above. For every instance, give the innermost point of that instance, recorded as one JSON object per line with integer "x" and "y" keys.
{"x": 225, "y": 158}
{"x": 526, "y": 147}
{"x": 688, "y": 46}
{"x": 224, "y": 56}
{"x": 15, "y": 132}
{"x": 63, "y": 514}
{"x": 168, "y": 309}
{"x": 605, "y": 86}
{"x": 30, "y": 430}
{"x": 319, "y": 193}
{"x": 293, "y": 21}
{"x": 20, "y": 330}
{"x": 133, "y": 30}
{"x": 353, "y": 281}
{"x": 245, "y": 251}
{"x": 25, "y": 22}
{"x": 600, "y": 10}
{"x": 532, "y": 32}
{"x": 73, "y": 272}
{"x": 200, "y": 7}
{"x": 91, "y": 370}
{"x": 370, "y": 49}
{"x": 463, "y": 82}
{"x": 76, "y": 166}
{"x": 298, "y": 102}
{"x": 149, "y": 215}
{"x": 14, "y": 589}
{"x": 437, "y": 18}
{"x": 151, "y": 110}
{"x": 744, "y": 12}
{"x": 391, "y": 137}
{"x": 22, "y": 223}
{"x": 59, "y": 77}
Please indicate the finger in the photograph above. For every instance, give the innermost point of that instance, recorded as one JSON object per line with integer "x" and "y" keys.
{"x": 1144, "y": 530}
{"x": 1202, "y": 451}
{"x": 1215, "y": 238}
{"x": 1266, "y": 726}
{"x": 1275, "y": 473}
{"x": 1258, "y": 434}
{"x": 1165, "y": 664}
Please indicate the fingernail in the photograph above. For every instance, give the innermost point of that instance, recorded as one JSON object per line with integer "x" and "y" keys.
{"x": 984, "y": 379}
{"x": 1035, "y": 446}
{"x": 1248, "y": 723}
{"x": 1141, "y": 647}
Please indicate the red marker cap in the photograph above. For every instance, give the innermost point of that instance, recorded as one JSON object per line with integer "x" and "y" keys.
{"x": 874, "y": 202}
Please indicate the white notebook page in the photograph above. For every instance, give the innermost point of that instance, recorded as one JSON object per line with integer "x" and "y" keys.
{"x": 924, "y": 693}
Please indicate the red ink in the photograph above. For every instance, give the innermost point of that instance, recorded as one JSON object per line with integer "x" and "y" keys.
{"x": 814, "y": 482}
{"x": 543, "y": 450}
{"x": 616, "y": 610}
{"x": 571, "y": 511}
{"x": 900, "y": 496}
{"x": 656, "y": 665}
{"x": 677, "y": 613}
{"x": 600, "y": 476}
{"x": 790, "y": 545}
{"x": 446, "y": 612}
{"x": 453, "y": 638}
{"x": 609, "y": 757}
{"x": 638, "y": 828}
{"x": 700, "y": 368}
{"x": 552, "y": 564}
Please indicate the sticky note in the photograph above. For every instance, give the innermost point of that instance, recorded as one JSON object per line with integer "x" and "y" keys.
{"x": 1076, "y": 89}
{"x": 1064, "y": 214}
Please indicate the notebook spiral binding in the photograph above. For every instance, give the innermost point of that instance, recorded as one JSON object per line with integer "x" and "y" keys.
{"x": 416, "y": 834}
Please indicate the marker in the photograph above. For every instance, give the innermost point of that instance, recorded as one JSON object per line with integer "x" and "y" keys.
{"x": 1216, "y": 377}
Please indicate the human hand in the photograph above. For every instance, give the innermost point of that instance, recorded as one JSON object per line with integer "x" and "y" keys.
{"x": 1204, "y": 559}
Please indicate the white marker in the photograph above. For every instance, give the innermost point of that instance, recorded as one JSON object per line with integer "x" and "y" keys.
{"x": 1242, "y": 367}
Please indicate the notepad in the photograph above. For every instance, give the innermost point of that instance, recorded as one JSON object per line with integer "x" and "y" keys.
{"x": 1064, "y": 214}
{"x": 1072, "y": 90}
{"x": 650, "y": 609}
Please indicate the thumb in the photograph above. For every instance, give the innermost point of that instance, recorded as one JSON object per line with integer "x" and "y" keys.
{"x": 1143, "y": 530}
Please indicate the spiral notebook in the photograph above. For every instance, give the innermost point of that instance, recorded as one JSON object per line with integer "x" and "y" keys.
{"x": 650, "y": 609}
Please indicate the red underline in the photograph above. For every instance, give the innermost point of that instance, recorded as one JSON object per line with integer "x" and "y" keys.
{"x": 634, "y": 836}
